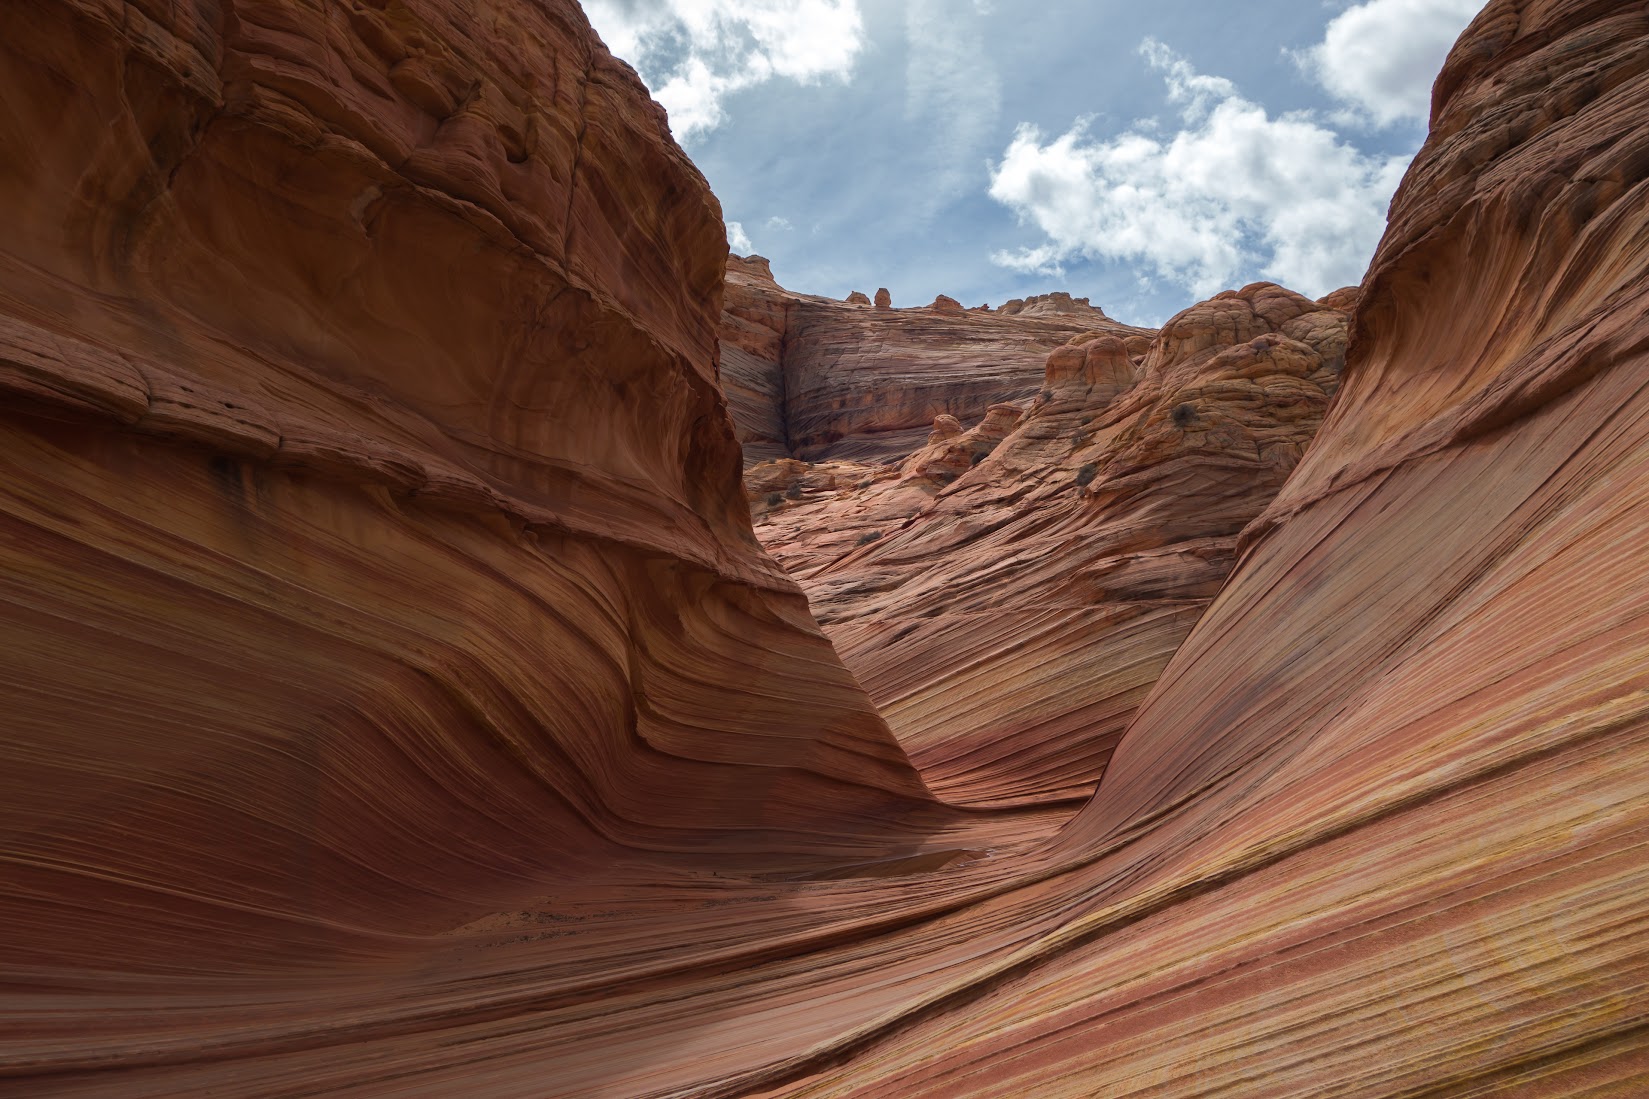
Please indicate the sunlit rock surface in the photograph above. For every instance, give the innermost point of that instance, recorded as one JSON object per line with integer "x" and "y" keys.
{"x": 474, "y": 750}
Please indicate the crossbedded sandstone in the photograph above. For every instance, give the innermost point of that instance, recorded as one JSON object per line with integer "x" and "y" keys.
{"x": 814, "y": 379}
{"x": 546, "y": 784}
{"x": 374, "y": 558}
{"x": 1010, "y": 594}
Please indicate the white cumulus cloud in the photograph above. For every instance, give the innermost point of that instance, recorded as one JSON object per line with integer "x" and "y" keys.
{"x": 1234, "y": 190}
{"x": 738, "y": 240}
{"x": 1381, "y": 57}
{"x": 694, "y": 53}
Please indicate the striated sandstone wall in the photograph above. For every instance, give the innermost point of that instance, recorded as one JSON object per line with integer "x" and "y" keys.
{"x": 1377, "y": 831}
{"x": 372, "y": 553}
{"x": 752, "y": 355}
{"x": 1012, "y": 593}
{"x": 816, "y": 379}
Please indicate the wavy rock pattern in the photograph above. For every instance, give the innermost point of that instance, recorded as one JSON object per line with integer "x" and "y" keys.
{"x": 373, "y": 557}
{"x": 1077, "y": 545}
{"x": 1378, "y": 830}
{"x": 547, "y": 787}
{"x": 816, "y": 379}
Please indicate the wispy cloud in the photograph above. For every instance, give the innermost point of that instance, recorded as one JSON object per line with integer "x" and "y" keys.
{"x": 953, "y": 95}
{"x": 693, "y": 54}
{"x": 1233, "y": 190}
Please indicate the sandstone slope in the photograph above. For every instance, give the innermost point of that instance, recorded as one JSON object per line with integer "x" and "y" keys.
{"x": 1010, "y": 593}
{"x": 1379, "y": 829}
{"x": 372, "y": 553}
{"x": 301, "y": 771}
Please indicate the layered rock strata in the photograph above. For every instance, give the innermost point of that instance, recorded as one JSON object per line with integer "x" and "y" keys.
{"x": 1074, "y": 542}
{"x": 372, "y": 554}
{"x": 315, "y": 787}
{"x": 1377, "y": 831}
{"x": 822, "y": 380}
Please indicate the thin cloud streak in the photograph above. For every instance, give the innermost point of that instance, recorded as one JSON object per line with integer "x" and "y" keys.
{"x": 953, "y": 98}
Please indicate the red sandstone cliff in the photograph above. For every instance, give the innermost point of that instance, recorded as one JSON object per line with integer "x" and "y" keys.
{"x": 470, "y": 748}
{"x": 1009, "y": 594}
{"x": 372, "y": 554}
{"x": 1377, "y": 831}
{"x": 812, "y": 378}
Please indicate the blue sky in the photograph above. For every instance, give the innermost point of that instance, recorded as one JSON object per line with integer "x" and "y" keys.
{"x": 1146, "y": 154}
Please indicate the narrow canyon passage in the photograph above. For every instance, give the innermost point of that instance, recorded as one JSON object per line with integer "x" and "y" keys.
{"x": 1009, "y": 594}
{"x": 466, "y": 635}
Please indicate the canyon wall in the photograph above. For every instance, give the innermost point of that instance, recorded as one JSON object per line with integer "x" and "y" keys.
{"x": 1379, "y": 828}
{"x": 374, "y": 558}
{"x": 1010, "y": 593}
{"x": 399, "y": 705}
{"x": 815, "y": 379}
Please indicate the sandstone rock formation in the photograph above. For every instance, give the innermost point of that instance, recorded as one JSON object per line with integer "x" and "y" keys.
{"x": 821, "y": 380}
{"x": 1382, "y": 807}
{"x": 372, "y": 554}
{"x": 1076, "y": 546}
{"x": 752, "y": 345}
{"x": 471, "y": 749}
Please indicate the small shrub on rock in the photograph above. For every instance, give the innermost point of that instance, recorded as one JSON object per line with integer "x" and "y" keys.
{"x": 1184, "y": 414}
{"x": 794, "y": 492}
{"x": 1085, "y": 476}
{"x": 869, "y": 537}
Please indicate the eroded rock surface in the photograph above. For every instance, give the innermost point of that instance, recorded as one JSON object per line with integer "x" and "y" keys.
{"x": 1074, "y": 541}
{"x": 1378, "y": 826}
{"x": 471, "y": 749}
{"x": 373, "y": 561}
{"x": 822, "y": 380}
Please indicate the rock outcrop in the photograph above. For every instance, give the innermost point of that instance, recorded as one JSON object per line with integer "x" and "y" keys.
{"x": 821, "y": 380}
{"x": 396, "y": 704}
{"x": 373, "y": 560}
{"x": 1078, "y": 545}
{"x": 752, "y": 347}
{"x": 1045, "y": 305}
{"x": 1376, "y": 830}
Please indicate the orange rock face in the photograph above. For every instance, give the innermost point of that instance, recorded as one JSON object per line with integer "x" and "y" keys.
{"x": 397, "y": 704}
{"x": 1074, "y": 543}
{"x": 822, "y": 380}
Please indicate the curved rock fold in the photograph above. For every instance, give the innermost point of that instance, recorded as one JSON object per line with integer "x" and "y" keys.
{"x": 398, "y": 701}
